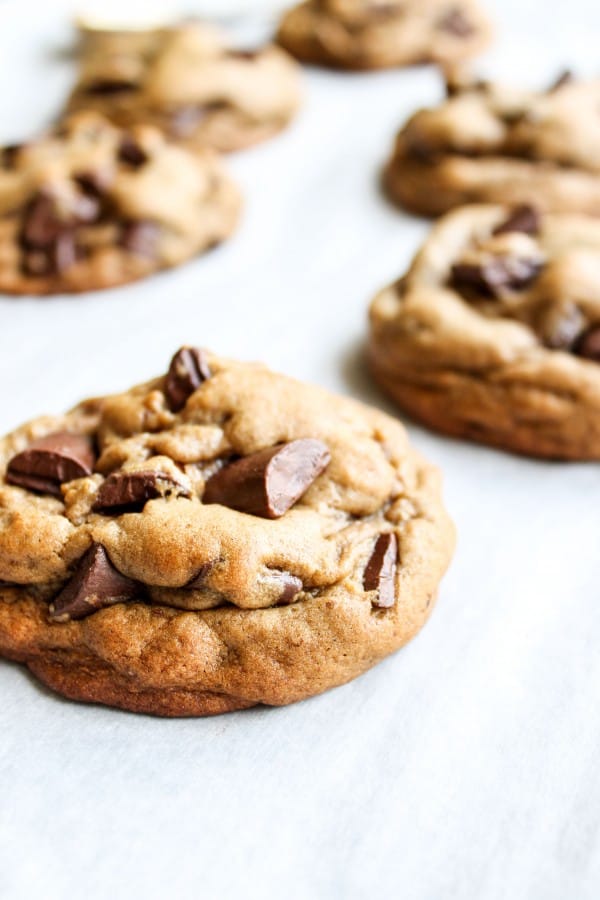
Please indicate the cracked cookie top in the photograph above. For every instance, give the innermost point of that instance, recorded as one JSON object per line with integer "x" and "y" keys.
{"x": 219, "y": 484}
{"x": 364, "y": 34}
{"x": 90, "y": 206}
{"x": 184, "y": 80}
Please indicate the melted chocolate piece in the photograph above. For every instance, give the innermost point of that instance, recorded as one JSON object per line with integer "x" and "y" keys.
{"x": 51, "y": 461}
{"x": 380, "y": 571}
{"x": 95, "y": 584}
{"x": 129, "y": 491}
{"x": 525, "y": 219}
{"x": 492, "y": 278}
{"x": 588, "y": 345}
{"x": 267, "y": 483}
{"x": 188, "y": 369}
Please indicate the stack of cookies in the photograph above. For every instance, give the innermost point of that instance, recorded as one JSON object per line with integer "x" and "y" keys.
{"x": 222, "y": 536}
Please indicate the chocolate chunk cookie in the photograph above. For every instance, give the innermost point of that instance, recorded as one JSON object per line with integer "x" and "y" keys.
{"x": 216, "y": 538}
{"x": 377, "y": 34}
{"x": 92, "y": 206}
{"x": 494, "y": 333}
{"x": 185, "y": 81}
{"x": 490, "y": 143}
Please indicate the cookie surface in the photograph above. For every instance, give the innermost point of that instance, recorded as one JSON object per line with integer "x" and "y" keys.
{"x": 92, "y": 206}
{"x": 219, "y": 537}
{"x": 491, "y": 143}
{"x": 494, "y": 333}
{"x": 375, "y": 34}
{"x": 185, "y": 81}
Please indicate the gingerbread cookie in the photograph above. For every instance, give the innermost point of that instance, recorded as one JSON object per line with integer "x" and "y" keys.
{"x": 377, "y": 34}
{"x": 92, "y": 206}
{"x": 494, "y": 333}
{"x": 216, "y": 538}
{"x": 185, "y": 81}
{"x": 491, "y": 143}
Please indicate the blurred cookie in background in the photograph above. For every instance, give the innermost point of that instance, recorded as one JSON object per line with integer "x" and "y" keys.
{"x": 184, "y": 80}
{"x": 377, "y": 34}
{"x": 489, "y": 142}
{"x": 91, "y": 206}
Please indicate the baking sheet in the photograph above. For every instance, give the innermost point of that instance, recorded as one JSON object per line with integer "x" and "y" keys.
{"x": 464, "y": 767}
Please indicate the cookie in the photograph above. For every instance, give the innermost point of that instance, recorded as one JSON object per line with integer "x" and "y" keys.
{"x": 491, "y": 143}
{"x": 93, "y": 206}
{"x": 494, "y": 333}
{"x": 377, "y": 34}
{"x": 216, "y": 538}
{"x": 185, "y": 81}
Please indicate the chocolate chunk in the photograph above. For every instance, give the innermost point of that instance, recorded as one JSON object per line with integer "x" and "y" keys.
{"x": 51, "y": 461}
{"x": 131, "y": 153}
{"x": 589, "y": 344}
{"x": 109, "y": 86}
{"x": 525, "y": 219}
{"x": 141, "y": 238}
{"x": 495, "y": 276}
{"x": 48, "y": 234}
{"x": 290, "y": 586}
{"x": 129, "y": 491}
{"x": 267, "y": 483}
{"x": 565, "y": 77}
{"x": 188, "y": 369}
{"x": 380, "y": 571}
{"x": 456, "y": 23}
{"x": 42, "y": 223}
{"x": 95, "y": 584}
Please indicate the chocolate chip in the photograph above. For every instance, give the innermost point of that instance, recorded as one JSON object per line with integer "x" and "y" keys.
{"x": 493, "y": 277}
{"x": 95, "y": 584}
{"x": 589, "y": 344}
{"x": 51, "y": 461}
{"x": 380, "y": 571}
{"x": 289, "y": 584}
{"x": 131, "y": 153}
{"x": 129, "y": 491}
{"x": 267, "y": 483}
{"x": 456, "y": 23}
{"x": 141, "y": 238}
{"x": 525, "y": 219}
{"x": 188, "y": 369}
{"x": 108, "y": 86}
{"x": 565, "y": 77}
